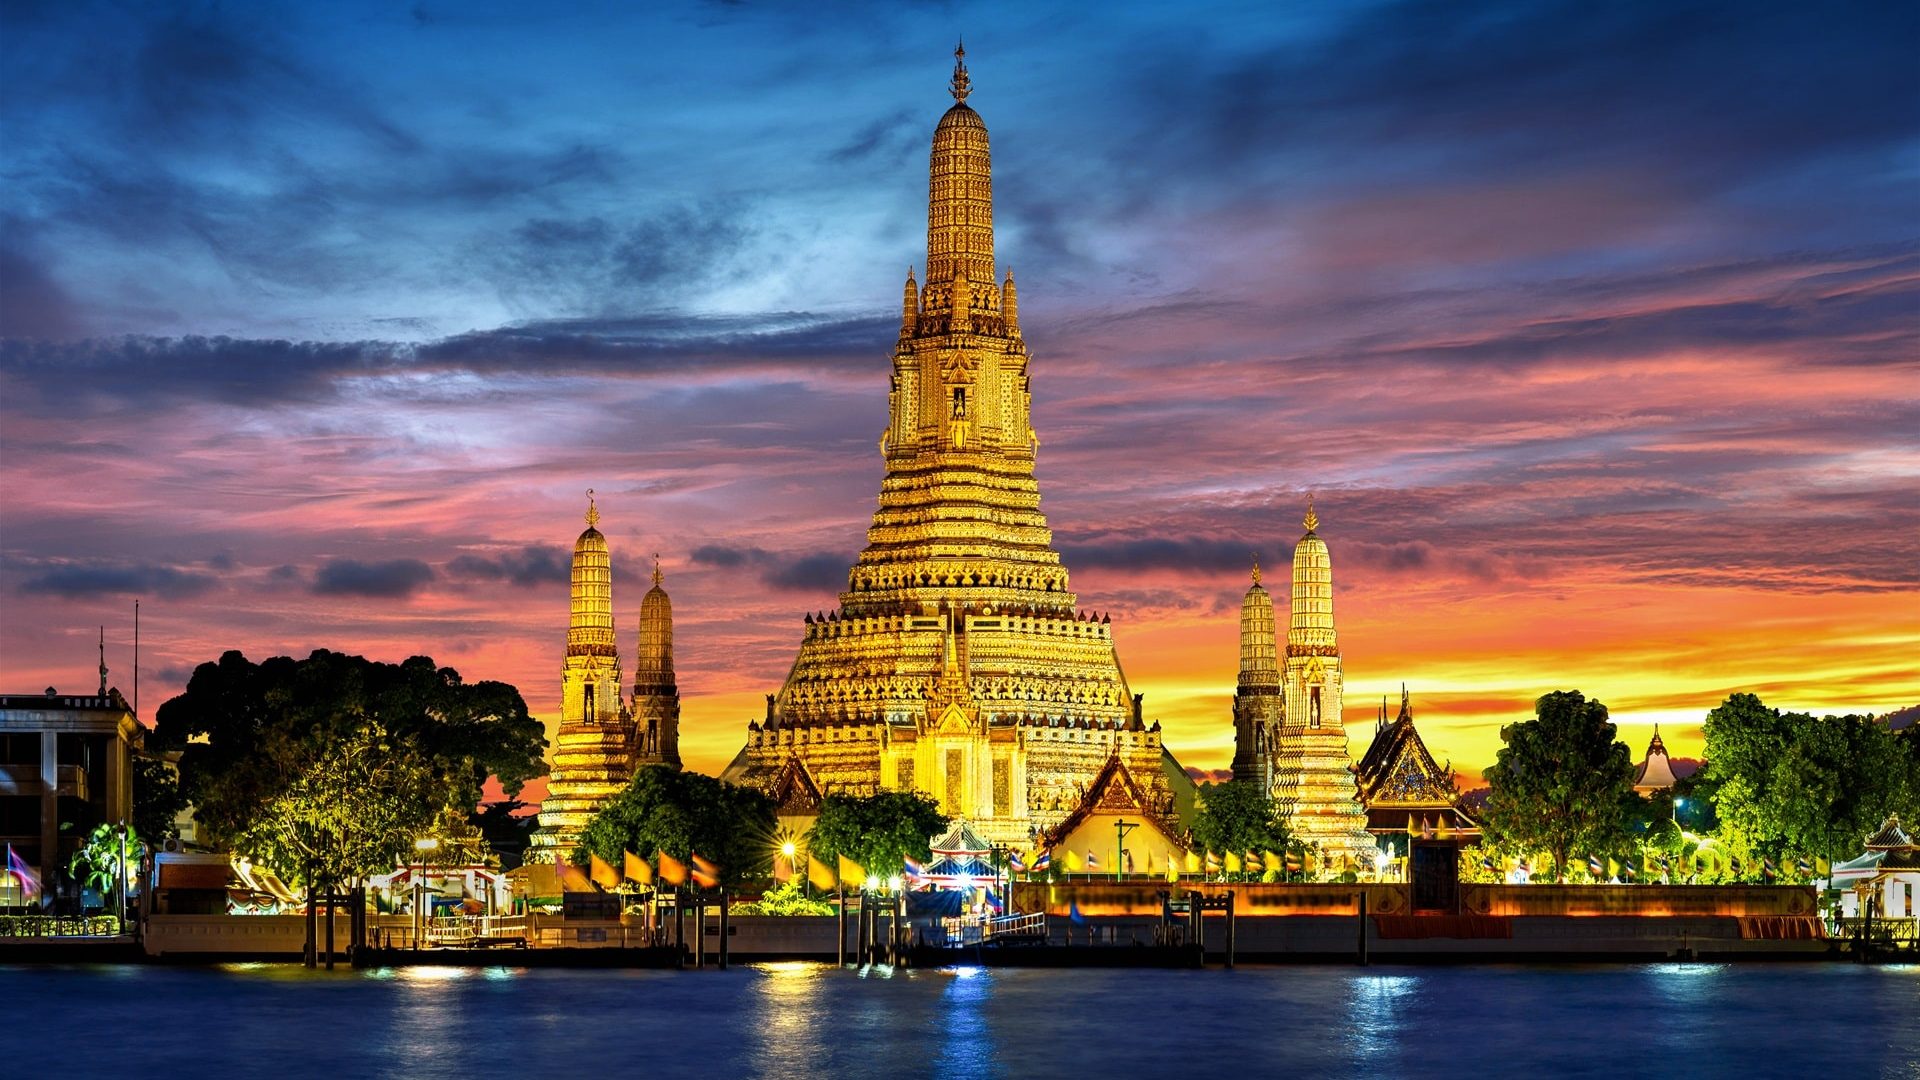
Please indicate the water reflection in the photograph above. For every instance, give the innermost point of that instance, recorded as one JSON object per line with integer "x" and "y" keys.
{"x": 1377, "y": 1009}
{"x": 967, "y": 1046}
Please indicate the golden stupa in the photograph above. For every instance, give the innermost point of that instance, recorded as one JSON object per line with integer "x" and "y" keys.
{"x": 603, "y": 739}
{"x": 957, "y": 663}
{"x": 1312, "y": 774}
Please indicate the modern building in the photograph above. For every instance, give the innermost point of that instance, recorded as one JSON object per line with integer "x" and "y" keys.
{"x": 66, "y": 766}
{"x": 958, "y": 662}
{"x": 605, "y": 737}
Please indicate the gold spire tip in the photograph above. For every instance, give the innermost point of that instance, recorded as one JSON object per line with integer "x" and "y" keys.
{"x": 1256, "y": 569}
{"x": 1312, "y": 520}
{"x": 593, "y": 511}
{"x": 961, "y": 85}
{"x": 656, "y": 569}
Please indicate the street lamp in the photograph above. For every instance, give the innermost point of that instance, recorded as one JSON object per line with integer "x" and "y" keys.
{"x": 422, "y": 845}
{"x": 1677, "y": 804}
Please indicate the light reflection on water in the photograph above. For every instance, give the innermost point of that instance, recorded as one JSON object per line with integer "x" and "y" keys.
{"x": 812, "y": 1020}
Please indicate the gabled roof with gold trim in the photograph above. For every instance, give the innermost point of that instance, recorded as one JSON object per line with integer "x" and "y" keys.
{"x": 794, "y": 791}
{"x": 1399, "y": 780}
{"x": 1113, "y": 791}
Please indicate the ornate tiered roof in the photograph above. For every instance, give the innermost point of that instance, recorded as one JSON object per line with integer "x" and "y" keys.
{"x": 958, "y": 662}
{"x": 1891, "y": 837}
{"x": 1401, "y": 783}
{"x": 1113, "y": 790}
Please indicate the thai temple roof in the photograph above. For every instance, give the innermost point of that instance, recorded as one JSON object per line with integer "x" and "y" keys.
{"x": 1112, "y": 789}
{"x": 960, "y": 839}
{"x": 794, "y": 791}
{"x": 1891, "y": 837}
{"x": 1401, "y": 783}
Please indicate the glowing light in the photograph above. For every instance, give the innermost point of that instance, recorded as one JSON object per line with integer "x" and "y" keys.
{"x": 893, "y": 883}
{"x": 873, "y": 882}
{"x": 788, "y": 849}
{"x": 426, "y": 843}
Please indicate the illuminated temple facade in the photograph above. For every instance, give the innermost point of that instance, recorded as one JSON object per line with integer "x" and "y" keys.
{"x": 604, "y": 737}
{"x": 1288, "y": 732}
{"x": 957, "y": 663}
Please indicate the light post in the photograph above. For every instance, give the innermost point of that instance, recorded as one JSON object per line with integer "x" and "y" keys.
{"x": 792, "y": 852}
{"x": 1121, "y": 827}
{"x": 421, "y": 847}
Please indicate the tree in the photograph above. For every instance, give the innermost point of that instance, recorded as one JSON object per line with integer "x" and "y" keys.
{"x": 157, "y": 800}
{"x": 1791, "y": 784}
{"x": 1562, "y": 783}
{"x": 250, "y": 735}
{"x": 108, "y": 857}
{"x": 1239, "y": 816}
{"x": 683, "y": 813}
{"x": 506, "y": 829}
{"x": 879, "y": 831}
{"x": 346, "y": 811}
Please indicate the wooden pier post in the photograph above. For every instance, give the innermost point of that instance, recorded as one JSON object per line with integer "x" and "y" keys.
{"x": 723, "y": 929}
{"x": 1364, "y": 961}
{"x": 1230, "y": 927}
{"x": 840, "y": 947}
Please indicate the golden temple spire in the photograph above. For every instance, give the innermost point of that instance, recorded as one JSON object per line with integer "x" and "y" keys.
{"x": 1312, "y": 520}
{"x": 656, "y": 568}
{"x": 593, "y": 512}
{"x": 1256, "y": 569}
{"x": 961, "y": 84}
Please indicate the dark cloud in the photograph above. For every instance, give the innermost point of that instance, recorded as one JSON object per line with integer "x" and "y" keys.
{"x": 728, "y": 557}
{"x": 1191, "y": 553}
{"x": 82, "y": 580}
{"x": 391, "y": 579}
{"x": 815, "y": 573}
{"x": 531, "y": 566}
{"x": 100, "y": 373}
{"x": 809, "y": 573}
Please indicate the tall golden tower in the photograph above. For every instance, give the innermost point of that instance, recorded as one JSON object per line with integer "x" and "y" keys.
{"x": 592, "y": 757}
{"x": 957, "y": 663}
{"x": 1314, "y": 778}
{"x": 1259, "y": 707}
{"x": 656, "y": 700}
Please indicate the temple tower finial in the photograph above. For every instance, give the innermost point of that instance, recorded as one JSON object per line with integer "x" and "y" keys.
{"x": 962, "y": 84}
{"x": 103, "y": 661}
{"x": 656, "y": 568}
{"x": 593, "y": 511}
{"x": 1312, "y": 521}
{"x": 1256, "y": 569}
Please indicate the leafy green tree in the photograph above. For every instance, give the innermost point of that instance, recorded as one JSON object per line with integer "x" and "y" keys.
{"x": 1239, "y": 816}
{"x": 157, "y": 800}
{"x": 1562, "y": 783}
{"x": 1791, "y": 784}
{"x": 107, "y": 855}
{"x": 787, "y": 898}
{"x": 348, "y": 808}
{"x": 249, "y": 733}
{"x": 682, "y": 813}
{"x": 879, "y": 831}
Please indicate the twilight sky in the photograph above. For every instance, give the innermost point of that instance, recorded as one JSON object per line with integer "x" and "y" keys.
{"x": 1595, "y": 329}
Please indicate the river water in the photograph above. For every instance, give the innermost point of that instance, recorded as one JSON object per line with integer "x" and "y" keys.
{"x": 810, "y": 1020}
